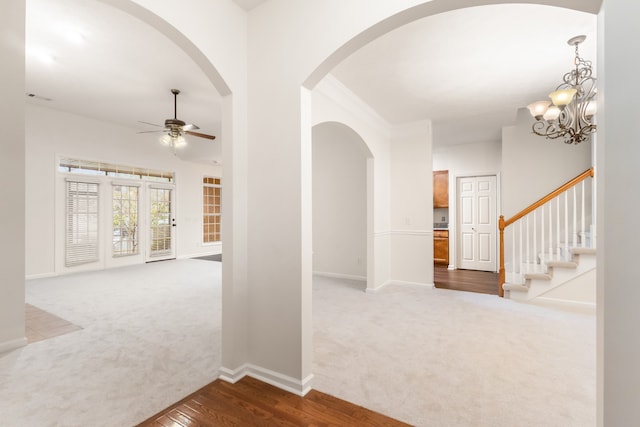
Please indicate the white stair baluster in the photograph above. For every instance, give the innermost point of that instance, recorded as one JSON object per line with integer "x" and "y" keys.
{"x": 535, "y": 241}
{"x": 575, "y": 221}
{"x": 550, "y": 232}
{"x": 582, "y": 225}
{"x": 542, "y": 257}
{"x": 566, "y": 226}
{"x": 526, "y": 234}
{"x": 558, "y": 228}
{"x": 514, "y": 270}
{"x": 520, "y": 260}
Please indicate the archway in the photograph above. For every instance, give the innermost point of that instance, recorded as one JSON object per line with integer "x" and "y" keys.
{"x": 393, "y": 22}
{"x": 342, "y": 203}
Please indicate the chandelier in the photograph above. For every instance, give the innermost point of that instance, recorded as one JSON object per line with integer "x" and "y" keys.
{"x": 570, "y": 113}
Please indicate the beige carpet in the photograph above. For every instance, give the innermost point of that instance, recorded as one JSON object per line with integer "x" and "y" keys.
{"x": 426, "y": 356}
{"x": 435, "y": 357}
{"x": 151, "y": 336}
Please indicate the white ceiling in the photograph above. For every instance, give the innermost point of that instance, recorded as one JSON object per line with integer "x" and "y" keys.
{"x": 249, "y": 4}
{"x": 467, "y": 70}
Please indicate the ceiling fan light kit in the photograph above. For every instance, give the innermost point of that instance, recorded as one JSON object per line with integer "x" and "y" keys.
{"x": 571, "y": 112}
{"x": 176, "y": 129}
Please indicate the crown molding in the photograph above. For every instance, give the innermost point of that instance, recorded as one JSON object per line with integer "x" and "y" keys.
{"x": 333, "y": 89}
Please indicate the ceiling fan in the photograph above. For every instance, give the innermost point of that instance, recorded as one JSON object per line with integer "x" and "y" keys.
{"x": 176, "y": 128}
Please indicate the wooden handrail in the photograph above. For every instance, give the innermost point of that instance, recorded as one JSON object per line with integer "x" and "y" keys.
{"x": 584, "y": 175}
{"x": 502, "y": 223}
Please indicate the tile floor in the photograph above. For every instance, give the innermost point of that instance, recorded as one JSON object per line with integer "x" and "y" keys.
{"x": 42, "y": 325}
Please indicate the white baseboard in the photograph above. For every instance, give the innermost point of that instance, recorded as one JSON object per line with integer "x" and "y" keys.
{"x": 12, "y": 345}
{"x": 581, "y": 306}
{"x": 284, "y": 382}
{"x": 40, "y": 276}
{"x": 200, "y": 254}
{"x": 340, "y": 276}
{"x": 419, "y": 284}
{"x": 399, "y": 282}
{"x": 379, "y": 288}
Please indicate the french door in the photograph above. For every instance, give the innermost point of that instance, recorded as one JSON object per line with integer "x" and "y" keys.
{"x": 162, "y": 222}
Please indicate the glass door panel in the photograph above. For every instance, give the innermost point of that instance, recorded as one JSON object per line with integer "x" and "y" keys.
{"x": 161, "y": 224}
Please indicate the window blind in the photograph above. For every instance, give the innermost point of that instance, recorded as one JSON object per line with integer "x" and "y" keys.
{"x": 81, "y": 235}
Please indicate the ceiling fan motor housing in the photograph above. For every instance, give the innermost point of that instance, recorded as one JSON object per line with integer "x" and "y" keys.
{"x": 174, "y": 126}
{"x": 170, "y": 123}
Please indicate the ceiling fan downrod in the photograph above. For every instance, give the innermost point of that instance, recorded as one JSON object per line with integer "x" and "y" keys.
{"x": 173, "y": 123}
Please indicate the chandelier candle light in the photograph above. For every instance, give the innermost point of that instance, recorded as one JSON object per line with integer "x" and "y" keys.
{"x": 570, "y": 113}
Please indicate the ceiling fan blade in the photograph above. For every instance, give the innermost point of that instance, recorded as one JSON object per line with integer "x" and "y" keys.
{"x": 152, "y": 124}
{"x": 190, "y": 126}
{"x": 200, "y": 135}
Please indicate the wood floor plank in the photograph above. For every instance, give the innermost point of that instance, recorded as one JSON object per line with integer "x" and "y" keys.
{"x": 484, "y": 282}
{"x": 291, "y": 406}
{"x": 251, "y": 402}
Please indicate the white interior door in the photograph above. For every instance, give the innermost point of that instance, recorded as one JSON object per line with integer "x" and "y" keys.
{"x": 162, "y": 223}
{"x": 477, "y": 223}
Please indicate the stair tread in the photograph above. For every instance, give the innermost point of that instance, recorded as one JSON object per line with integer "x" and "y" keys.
{"x": 540, "y": 276}
{"x": 564, "y": 264}
{"x": 515, "y": 287}
{"x": 586, "y": 251}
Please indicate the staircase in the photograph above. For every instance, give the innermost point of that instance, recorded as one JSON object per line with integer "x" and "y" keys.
{"x": 547, "y": 251}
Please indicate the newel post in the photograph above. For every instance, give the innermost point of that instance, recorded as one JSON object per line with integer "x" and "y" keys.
{"x": 501, "y": 277}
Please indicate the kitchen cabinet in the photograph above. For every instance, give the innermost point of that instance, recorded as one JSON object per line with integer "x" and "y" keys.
{"x": 440, "y": 189}
{"x": 441, "y": 247}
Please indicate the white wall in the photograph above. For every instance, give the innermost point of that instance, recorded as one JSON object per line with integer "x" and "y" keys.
{"x": 412, "y": 204}
{"x": 332, "y": 102}
{"x": 12, "y": 222}
{"x": 339, "y": 202}
{"x": 618, "y": 251}
{"x": 536, "y": 164}
{"x": 48, "y": 136}
{"x": 460, "y": 159}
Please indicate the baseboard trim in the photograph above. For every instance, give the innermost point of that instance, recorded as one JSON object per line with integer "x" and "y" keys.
{"x": 40, "y": 276}
{"x": 12, "y": 345}
{"x": 419, "y": 284}
{"x": 400, "y": 283}
{"x": 566, "y": 304}
{"x": 198, "y": 255}
{"x": 340, "y": 276}
{"x": 284, "y": 382}
{"x": 378, "y": 288}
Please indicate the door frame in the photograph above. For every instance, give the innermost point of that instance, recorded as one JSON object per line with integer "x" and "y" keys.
{"x": 453, "y": 213}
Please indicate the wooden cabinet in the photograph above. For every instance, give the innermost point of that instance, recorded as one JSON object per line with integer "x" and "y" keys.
{"x": 441, "y": 247}
{"x": 440, "y": 189}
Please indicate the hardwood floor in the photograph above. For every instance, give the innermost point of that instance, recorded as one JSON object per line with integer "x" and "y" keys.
{"x": 251, "y": 402}
{"x": 484, "y": 282}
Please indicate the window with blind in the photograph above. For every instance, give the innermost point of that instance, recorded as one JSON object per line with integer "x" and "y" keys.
{"x": 125, "y": 220}
{"x": 211, "y": 194}
{"x": 81, "y": 234}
